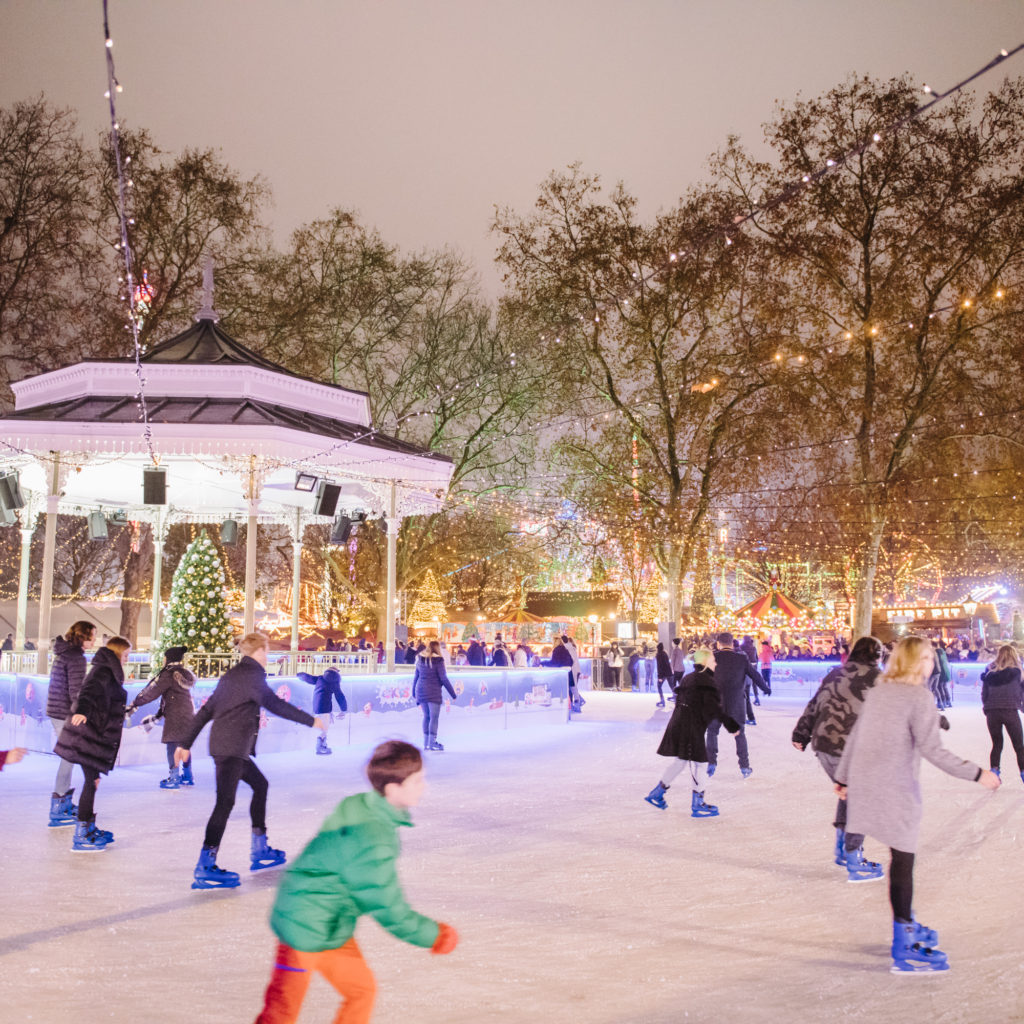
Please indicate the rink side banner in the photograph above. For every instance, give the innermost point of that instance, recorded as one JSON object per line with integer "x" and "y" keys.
{"x": 380, "y": 707}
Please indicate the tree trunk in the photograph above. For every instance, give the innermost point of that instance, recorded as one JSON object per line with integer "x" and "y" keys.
{"x": 137, "y": 569}
{"x": 865, "y": 596}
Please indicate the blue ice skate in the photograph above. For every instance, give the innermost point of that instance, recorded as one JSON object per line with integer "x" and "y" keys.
{"x": 173, "y": 781}
{"x": 700, "y": 809}
{"x": 88, "y": 838}
{"x": 62, "y": 810}
{"x": 262, "y": 855}
{"x": 208, "y": 876}
{"x": 860, "y": 870}
{"x": 745, "y": 772}
{"x": 840, "y": 847}
{"x": 186, "y": 778}
{"x": 909, "y": 956}
{"x": 656, "y": 797}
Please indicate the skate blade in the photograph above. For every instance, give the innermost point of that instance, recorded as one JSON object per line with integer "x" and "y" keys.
{"x": 216, "y": 885}
{"x": 867, "y": 878}
{"x": 914, "y": 967}
{"x": 260, "y": 866}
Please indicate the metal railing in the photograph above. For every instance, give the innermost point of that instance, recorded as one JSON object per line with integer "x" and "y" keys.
{"x": 19, "y": 663}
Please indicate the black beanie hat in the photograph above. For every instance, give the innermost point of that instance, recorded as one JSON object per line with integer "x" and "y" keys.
{"x": 173, "y": 654}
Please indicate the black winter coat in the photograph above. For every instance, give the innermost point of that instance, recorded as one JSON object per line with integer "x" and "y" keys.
{"x": 66, "y": 678}
{"x": 664, "y": 664}
{"x": 173, "y": 683}
{"x": 561, "y": 657}
{"x": 235, "y": 706}
{"x": 732, "y": 669}
{"x": 323, "y": 691}
{"x": 474, "y": 654}
{"x": 500, "y": 657}
{"x": 102, "y": 700}
{"x": 697, "y": 706}
{"x": 428, "y": 679}
{"x": 1001, "y": 690}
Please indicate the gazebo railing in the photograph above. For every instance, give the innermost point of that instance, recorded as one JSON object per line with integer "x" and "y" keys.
{"x": 19, "y": 663}
{"x": 314, "y": 662}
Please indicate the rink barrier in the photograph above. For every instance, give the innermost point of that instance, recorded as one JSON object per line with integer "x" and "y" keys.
{"x": 380, "y": 707}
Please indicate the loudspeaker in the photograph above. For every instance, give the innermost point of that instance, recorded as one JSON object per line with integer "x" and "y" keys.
{"x": 97, "y": 526}
{"x": 229, "y": 532}
{"x": 326, "y": 500}
{"x": 10, "y": 492}
{"x": 154, "y": 487}
{"x": 341, "y": 530}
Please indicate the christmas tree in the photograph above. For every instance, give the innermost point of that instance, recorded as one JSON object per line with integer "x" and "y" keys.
{"x": 197, "y": 616}
{"x": 651, "y": 601}
{"x": 428, "y": 606}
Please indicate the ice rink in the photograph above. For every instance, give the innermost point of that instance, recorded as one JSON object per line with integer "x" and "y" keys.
{"x": 575, "y": 900}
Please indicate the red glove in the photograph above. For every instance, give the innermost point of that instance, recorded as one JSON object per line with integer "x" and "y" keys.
{"x": 447, "y": 939}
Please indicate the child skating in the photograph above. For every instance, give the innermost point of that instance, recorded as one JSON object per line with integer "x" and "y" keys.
{"x": 348, "y": 870}
{"x": 173, "y": 687}
{"x": 878, "y": 776}
{"x": 92, "y": 737}
{"x": 697, "y": 704}
{"x": 325, "y": 688}
{"x": 234, "y": 706}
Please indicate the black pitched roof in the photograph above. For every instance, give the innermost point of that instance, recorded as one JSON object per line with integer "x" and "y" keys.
{"x": 217, "y": 411}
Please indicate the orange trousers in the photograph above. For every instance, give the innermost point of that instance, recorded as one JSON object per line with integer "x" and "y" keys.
{"x": 343, "y": 968}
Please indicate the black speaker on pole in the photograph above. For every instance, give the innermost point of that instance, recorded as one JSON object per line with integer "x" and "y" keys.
{"x": 154, "y": 486}
{"x": 326, "y": 500}
{"x": 229, "y": 532}
{"x": 10, "y": 492}
{"x": 97, "y": 523}
{"x": 341, "y": 530}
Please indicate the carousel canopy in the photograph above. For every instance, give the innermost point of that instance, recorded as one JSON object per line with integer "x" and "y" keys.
{"x": 774, "y": 603}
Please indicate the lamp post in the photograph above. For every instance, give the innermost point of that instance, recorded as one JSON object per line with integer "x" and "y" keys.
{"x": 970, "y": 607}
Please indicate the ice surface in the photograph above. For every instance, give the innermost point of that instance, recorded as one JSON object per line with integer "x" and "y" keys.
{"x": 575, "y": 900}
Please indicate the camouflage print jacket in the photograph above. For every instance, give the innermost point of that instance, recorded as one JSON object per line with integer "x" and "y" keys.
{"x": 832, "y": 711}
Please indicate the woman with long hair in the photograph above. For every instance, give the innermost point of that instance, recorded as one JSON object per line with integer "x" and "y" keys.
{"x": 428, "y": 680}
{"x": 67, "y": 676}
{"x": 1002, "y": 696}
{"x": 878, "y": 776}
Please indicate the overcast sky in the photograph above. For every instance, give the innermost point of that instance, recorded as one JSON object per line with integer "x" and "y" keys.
{"x": 425, "y": 114}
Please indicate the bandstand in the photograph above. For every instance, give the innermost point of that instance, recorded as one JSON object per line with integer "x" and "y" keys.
{"x": 228, "y": 436}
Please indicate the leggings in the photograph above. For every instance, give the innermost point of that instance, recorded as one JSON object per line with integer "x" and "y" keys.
{"x": 661, "y": 683}
{"x": 63, "y": 781}
{"x": 901, "y": 885}
{"x": 431, "y": 714}
{"x": 86, "y": 804}
{"x": 343, "y": 968}
{"x": 231, "y": 771}
{"x": 1008, "y": 719}
{"x": 679, "y": 765}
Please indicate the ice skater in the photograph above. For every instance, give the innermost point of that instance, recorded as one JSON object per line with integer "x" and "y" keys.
{"x": 878, "y": 776}
{"x": 173, "y": 686}
{"x": 346, "y": 871}
{"x": 66, "y": 677}
{"x": 1002, "y": 697}
{"x": 325, "y": 688}
{"x": 825, "y": 724}
{"x": 697, "y": 704}
{"x": 664, "y": 666}
{"x": 92, "y": 737}
{"x": 234, "y": 707}
{"x": 731, "y": 672}
{"x": 428, "y": 679}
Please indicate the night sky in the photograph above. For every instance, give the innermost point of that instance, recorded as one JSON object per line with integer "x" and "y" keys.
{"x": 425, "y": 115}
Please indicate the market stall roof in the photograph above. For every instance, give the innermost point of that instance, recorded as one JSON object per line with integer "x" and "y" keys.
{"x": 573, "y": 604}
{"x": 773, "y": 602}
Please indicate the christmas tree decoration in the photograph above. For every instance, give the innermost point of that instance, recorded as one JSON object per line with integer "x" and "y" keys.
{"x": 429, "y": 607}
{"x": 651, "y": 610}
{"x": 197, "y": 616}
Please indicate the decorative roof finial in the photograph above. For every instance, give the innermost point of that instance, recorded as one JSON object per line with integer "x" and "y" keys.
{"x": 207, "y": 312}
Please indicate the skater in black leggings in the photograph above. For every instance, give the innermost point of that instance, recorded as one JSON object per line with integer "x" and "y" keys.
{"x": 664, "y": 666}
{"x": 1002, "y": 697}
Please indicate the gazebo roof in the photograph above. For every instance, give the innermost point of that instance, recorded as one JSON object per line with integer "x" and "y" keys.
{"x": 216, "y": 410}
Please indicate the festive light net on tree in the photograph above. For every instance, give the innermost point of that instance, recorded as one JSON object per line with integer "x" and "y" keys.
{"x": 197, "y": 616}
{"x": 428, "y": 607}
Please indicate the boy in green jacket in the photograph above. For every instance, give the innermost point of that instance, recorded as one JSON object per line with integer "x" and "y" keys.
{"x": 349, "y": 870}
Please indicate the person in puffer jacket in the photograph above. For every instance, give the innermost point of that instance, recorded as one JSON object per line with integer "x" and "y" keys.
{"x": 428, "y": 679}
{"x": 66, "y": 678}
{"x": 1002, "y": 696}
{"x": 92, "y": 736}
{"x": 173, "y": 687}
{"x": 348, "y": 870}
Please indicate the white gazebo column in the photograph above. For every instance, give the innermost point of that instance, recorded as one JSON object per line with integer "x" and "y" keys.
{"x": 49, "y": 550}
{"x": 394, "y": 523}
{"x": 249, "y": 617}
{"x": 297, "y": 528}
{"x": 28, "y": 528}
{"x": 159, "y": 536}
